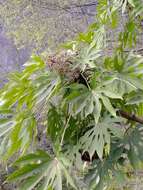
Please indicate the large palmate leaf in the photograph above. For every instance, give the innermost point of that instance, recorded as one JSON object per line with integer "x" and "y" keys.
{"x": 99, "y": 136}
{"x": 40, "y": 171}
{"x": 88, "y": 56}
{"x": 82, "y": 100}
{"x": 109, "y": 171}
{"x": 122, "y": 84}
{"x": 18, "y": 131}
{"x": 17, "y": 134}
{"x": 20, "y": 89}
{"x": 113, "y": 171}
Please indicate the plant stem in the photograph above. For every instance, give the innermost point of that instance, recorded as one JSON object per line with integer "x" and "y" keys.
{"x": 66, "y": 125}
{"x": 85, "y": 80}
{"x": 129, "y": 116}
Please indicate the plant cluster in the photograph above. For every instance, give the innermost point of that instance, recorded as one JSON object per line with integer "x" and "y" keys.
{"x": 90, "y": 104}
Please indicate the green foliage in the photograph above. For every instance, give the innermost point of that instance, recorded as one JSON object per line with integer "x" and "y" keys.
{"x": 79, "y": 112}
{"x": 40, "y": 167}
{"x": 99, "y": 137}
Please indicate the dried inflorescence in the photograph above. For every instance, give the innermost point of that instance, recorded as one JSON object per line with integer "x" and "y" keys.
{"x": 62, "y": 63}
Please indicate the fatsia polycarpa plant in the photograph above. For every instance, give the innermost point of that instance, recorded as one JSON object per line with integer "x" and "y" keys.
{"x": 89, "y": 104}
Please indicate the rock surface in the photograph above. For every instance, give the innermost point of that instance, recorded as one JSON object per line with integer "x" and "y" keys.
{"x": 11, "y": 59}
